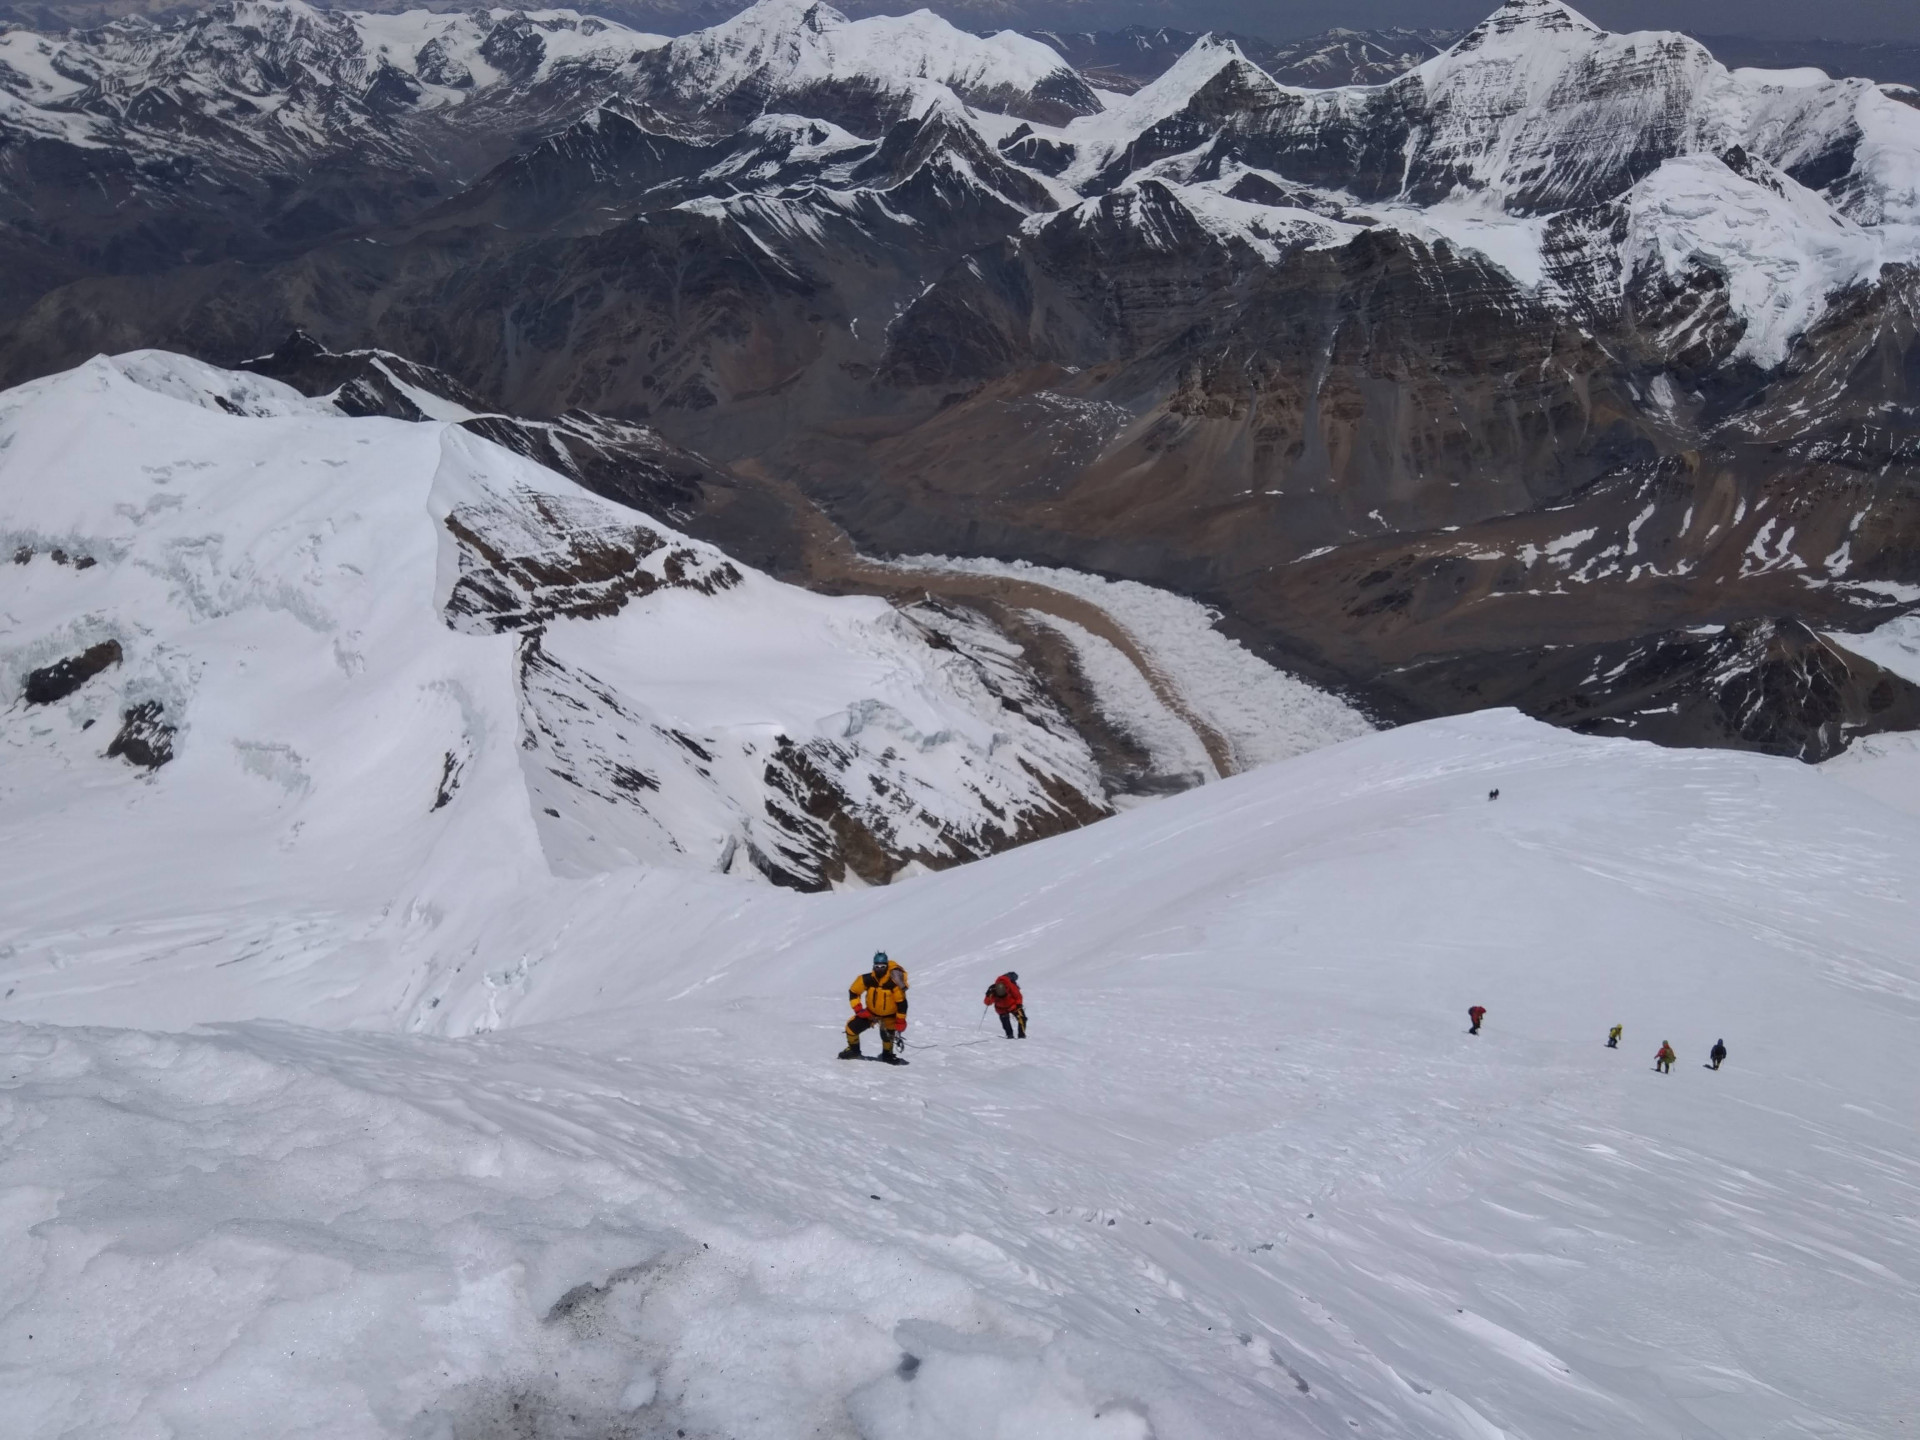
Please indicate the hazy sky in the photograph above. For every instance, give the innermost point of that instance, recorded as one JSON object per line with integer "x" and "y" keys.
{"x": 1833, "y": 19}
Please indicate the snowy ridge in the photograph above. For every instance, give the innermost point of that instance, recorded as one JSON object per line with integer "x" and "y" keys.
{"x": 778, "y": 49}
{"x": 323, "y": 627}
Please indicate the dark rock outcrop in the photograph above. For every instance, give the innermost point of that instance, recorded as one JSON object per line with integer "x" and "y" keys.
{"x": 145, "y": 738}
{"x": 60, "y": 679}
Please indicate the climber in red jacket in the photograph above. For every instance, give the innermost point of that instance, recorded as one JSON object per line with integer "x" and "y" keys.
{"x": 1004, "y": 995}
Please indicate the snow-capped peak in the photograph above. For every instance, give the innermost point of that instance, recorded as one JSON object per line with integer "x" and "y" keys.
{"x": 1172, "y": 91}
{"x": 1526, "y": 19}
{"x": 1213, "y": 66}
{"x": 1533, "y": 57}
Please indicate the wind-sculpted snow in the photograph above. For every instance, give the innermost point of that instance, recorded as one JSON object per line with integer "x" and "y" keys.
{"x": 306, "y": 626}
{"x": 1248, "y": 1175}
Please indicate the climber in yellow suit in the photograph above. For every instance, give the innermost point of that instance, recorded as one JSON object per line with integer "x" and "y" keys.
{"x": 878, "y": 997}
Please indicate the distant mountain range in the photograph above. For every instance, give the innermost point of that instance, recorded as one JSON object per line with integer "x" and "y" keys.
{"x": 1122, "y": 57}
{"x": 1555, "y": 368}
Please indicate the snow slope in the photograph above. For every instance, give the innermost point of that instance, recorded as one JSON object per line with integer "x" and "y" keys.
{"x": 1886, "y": 767}
{"x": 1248, "y": 1177}
{"x": 1896, "y": 645}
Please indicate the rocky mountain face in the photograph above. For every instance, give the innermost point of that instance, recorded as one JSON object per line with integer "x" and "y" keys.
{"x": 1567, "y": 369}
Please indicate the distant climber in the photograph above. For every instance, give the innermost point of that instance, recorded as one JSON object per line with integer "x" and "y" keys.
{"x": 878, "y": 997}
{"x": 1004, "y": 995}
{"x": 1663, "y": 1058}
{"x": 1476, "y": 1013}
{"x": 1717, "y": 1054}
{"x": 1613, "y": 1038}
{"x": 1493, "y": 794}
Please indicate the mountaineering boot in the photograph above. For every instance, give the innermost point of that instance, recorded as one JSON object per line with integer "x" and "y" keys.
{"x": 852, "y": 1052}
{"x": 887, "y": 1057}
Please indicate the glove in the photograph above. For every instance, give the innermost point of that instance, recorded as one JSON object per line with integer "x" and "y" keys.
{"x": 899, "y": 1023}
{"x": 862, "y": 1011}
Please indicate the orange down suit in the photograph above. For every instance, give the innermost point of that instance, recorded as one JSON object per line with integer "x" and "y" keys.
{"x": 878, "y": 998}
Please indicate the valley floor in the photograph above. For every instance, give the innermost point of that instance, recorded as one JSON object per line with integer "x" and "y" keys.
{"x": 1249, "y": 1176}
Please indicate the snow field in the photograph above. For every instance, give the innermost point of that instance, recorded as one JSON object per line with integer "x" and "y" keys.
{"x": 313, "y": 1257}
{"x": 1886, "y": 767}
{"x": 1249, "y": 1175}
{"x": 1895, "y": 645}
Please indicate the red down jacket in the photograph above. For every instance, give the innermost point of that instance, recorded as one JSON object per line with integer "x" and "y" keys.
{"x": 1004, "y": 996}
